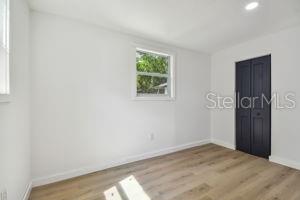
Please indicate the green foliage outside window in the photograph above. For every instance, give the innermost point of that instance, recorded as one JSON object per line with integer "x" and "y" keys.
{"x": 155, "y": 64}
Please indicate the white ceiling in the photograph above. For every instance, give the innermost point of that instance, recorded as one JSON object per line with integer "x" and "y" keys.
{"x": 203, "y": 25}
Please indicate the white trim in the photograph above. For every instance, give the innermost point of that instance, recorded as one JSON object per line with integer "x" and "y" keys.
{"x": 5, "y": 88}
{"x": 274, "y": 159}
{"x": 153, "y": 98}
{"x": 82, "y": 171}
{"x": 28, "y": 191}
{"x": 151, "y": 51}
{"x": 153, "y": 74}
{"x": 223, "y": 144}
{"x": 285, "y": 162}
{"x": 171, "y": 74}
{"x": 162, "y": 50}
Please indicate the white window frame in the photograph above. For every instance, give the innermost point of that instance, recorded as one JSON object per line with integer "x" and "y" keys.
{"x": 5, "y": 95}
{"x": 171, "y": 75}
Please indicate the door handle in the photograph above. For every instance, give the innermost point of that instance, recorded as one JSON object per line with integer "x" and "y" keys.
{"x": 258, "y": 114}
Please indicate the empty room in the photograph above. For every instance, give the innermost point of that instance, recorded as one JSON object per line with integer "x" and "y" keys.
{"x": 149, "y": 100}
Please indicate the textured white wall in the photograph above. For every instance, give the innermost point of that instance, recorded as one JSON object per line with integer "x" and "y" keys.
{"x": 284, "y": 47}
{"x": 14, "y": 116}
{"x": 83, "y": 113}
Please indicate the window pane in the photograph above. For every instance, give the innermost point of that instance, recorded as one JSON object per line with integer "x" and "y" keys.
{"x": 153, "y": 63}
{"x": 3, "y": 22}
{"x": 4, "y": 47}
{"x": 152, "y": 85}
{"x": 3, "y": 71}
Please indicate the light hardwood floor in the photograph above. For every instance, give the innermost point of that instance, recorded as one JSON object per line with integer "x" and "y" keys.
{"x": 209, "y": 172}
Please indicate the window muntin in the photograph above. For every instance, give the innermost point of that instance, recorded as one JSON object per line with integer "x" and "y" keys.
{"x": 4, "y": 47}
{"x": 154, "y": 74}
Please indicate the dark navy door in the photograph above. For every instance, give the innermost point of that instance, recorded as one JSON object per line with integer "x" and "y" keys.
{"x": 253, "y": 111}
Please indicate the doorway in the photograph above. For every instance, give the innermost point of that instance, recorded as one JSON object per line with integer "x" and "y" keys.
{"x": 253, "y": 107}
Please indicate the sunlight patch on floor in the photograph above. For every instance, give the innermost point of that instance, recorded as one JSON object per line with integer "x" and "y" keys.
{"x": 112, "y": 194}
{"x": 132, "y": 189}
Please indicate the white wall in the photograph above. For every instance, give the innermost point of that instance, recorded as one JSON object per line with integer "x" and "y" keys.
{"x": 83, "y": 115}
{"x": 285, "y": 49}
{"x": 14, "y": 116}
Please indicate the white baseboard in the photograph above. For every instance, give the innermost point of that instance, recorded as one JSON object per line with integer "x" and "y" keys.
{"x": 274, "y": 159}
{"x": 222, "y": 143}
{"x": 27, "y": 193}
{"x": 285, "y": 162}
{"x": 82, "y": 171}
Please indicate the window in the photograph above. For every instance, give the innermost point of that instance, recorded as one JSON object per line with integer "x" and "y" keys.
{"x": 4, "y": 47}
{"x": 154, "y": 75}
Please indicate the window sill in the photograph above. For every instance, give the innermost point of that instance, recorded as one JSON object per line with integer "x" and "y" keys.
{"x": 153, "y": 98}
{"x": 4, "y": 98}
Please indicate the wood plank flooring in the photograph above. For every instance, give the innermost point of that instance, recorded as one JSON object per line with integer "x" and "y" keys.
{"x": 209, "y": 172}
